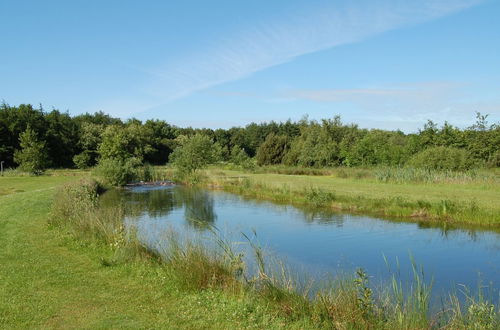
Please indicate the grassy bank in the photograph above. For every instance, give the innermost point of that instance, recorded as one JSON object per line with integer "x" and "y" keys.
{"x": 470, "y": 201}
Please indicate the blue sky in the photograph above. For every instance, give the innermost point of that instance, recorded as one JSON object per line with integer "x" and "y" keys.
{"x": 383, "y": 64}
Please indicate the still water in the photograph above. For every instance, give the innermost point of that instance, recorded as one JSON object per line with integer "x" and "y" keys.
{"x": 318, "y": 243}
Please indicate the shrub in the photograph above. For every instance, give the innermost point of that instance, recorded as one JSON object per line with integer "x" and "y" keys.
{"x": 83, "y": 160}
{"x": 118, "y": 172}
{"x": 442, "y": 158}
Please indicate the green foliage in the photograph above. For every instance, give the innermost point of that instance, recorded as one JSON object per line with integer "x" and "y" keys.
{"x": 238, "y": 155}
{"x": 318, "y": 144}
{"x": 379, "y": 148}
{"x": 195, "y": 153}
{"x": 83, "y": 160}
{"x": 90, "y": 139}
{"x": 365, "y": 299}
{"x": 124, "y": 142}
{"x": 272, "y": 150}
{"x": 118, "y": 172}
{"x": 32, "y": 156}
{"x": 84, "y": 139}
{"x": 442, "y": 158}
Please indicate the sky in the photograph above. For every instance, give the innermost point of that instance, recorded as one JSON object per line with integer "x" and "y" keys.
{"x": 390, "y": 64}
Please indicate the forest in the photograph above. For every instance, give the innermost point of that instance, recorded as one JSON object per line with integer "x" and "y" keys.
{"x": 40, "y": 139}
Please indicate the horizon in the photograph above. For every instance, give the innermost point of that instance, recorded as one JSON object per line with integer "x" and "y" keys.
{"x": 226, "y": 64}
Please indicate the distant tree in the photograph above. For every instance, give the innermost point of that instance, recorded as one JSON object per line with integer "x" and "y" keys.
{"x": 481, "y": 122}
{"x": 15, "y": 120}
{"x": 124, "y": 142}
{"x": 239, "y": 156}
{"x": 90, "y": 139}
{"x": 380, "y": 147}
{"x": 32, "y": 157}
{"x": 272, "y": 150}
{"x": 162, "y": 137}
{"x": 195, "y": 153}
{"x": 61, "y": 137}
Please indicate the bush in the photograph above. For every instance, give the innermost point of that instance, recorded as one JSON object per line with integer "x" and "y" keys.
{"x": 83, "y": 160}
{"x": 118, "y": 172}
{"x": 442, "y": 158}
{"x": 195, "y": 153}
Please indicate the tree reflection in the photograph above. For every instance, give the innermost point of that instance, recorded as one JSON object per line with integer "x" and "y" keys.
{"x": 154, "y": 202}
{"x": 198, "y": 207}
{"x": 158, "y": 202}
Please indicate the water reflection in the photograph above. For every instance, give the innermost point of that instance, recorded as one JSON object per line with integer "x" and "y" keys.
{"x": 155, "y": 202}
{"x": 199, "y": 210}
{"x": 315, "y": 240}
{"x": 198, "y": 207}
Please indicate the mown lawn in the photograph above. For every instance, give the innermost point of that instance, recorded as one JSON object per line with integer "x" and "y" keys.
{"x": 49, "y": 280}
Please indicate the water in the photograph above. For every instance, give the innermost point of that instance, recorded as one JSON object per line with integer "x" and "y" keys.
{"x": 319, "y": 243}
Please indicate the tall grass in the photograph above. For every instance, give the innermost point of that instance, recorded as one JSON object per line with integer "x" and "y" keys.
{"x": 347, "y": 302}
{"x": 422, "y": 175}
{"x": 388, "y": 174}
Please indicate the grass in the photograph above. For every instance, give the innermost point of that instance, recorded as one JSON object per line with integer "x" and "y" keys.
{"x": 70, "y": 263}
{"x": 474, "y": 202}
{"x": 50, "y": 279}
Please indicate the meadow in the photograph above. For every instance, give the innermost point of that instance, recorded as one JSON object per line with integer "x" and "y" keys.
{"x": 446, "y": 198}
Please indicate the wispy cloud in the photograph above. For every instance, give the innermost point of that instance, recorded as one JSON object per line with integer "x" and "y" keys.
{"x": 406, "y": 103}
{"x": 416, "y": 93}
{"x": 272, "y": 43}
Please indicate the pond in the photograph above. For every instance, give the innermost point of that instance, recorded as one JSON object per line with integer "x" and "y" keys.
{"x": 319, "y": 243}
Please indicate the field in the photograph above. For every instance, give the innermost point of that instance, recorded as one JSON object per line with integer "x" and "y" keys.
{"x": 475, "y": 201}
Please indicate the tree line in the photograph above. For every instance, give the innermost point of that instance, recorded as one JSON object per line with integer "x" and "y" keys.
{"x": 56, "y": 139}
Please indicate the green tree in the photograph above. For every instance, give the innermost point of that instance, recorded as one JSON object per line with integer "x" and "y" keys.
{"x": 272, "y": 150}
{"x": 195, "y": 153}
{"x": 123, "y": 142}
{"x": 239, "y": 156}
{"x": 32, "y": 157}
{"x": 89, "y": 141}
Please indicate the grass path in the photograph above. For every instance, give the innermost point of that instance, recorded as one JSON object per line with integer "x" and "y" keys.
{"x": 49, "y": 280}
